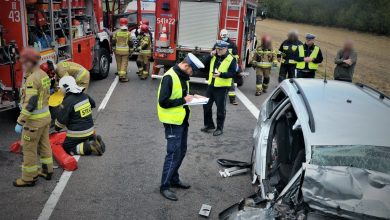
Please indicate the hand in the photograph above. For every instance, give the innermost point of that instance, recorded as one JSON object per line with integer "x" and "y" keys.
{"x": 216, "y": 73}
{"x": 18, "y": 128}
{"x": 349, "y": 61}
{"x": 307, "y": 59}
{"x": 188, "y": 98}
{"x": 212, "y": 53}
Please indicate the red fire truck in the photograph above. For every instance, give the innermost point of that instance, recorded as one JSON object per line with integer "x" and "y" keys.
{"x": 60, "y": 29}
{"x": 184, "y": 26}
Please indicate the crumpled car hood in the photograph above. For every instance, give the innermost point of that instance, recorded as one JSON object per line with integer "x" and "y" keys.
{"x": 347, "y": 191}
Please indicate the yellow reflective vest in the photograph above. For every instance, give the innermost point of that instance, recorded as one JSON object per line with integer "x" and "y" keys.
{"x": 174, "y": 115}
{"x": 314, "y": 54}
{"x": 223, "y": 68}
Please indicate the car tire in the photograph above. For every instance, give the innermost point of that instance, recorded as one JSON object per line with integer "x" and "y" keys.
{"x": 103, "y": 65}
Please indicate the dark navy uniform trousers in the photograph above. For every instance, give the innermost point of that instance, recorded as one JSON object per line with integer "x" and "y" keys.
{"x": 176, "y": 136}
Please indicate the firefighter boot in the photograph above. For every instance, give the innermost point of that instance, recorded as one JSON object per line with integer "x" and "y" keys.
{"x": 44, "y": 172}
{"x": 97, "y": 146}
{"x": 21, "y": 183}
{"x": 259, "y": 89}
{"x": 123, "y": 78}
{"x": 232, "y": 99}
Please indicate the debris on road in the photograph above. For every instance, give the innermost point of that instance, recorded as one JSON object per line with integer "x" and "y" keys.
{"x": 205, "y": 210}
{"x": 233, "y": 171}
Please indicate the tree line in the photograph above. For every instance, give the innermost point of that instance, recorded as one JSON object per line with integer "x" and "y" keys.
{"x": 361, "y": 15}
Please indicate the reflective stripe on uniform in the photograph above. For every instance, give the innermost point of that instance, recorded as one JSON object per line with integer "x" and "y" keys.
{"x": 264, "y": 64}
{"x": 58, "y": 124}
{"x": 81, "y": 74}
{"x": 80, "y": 105}
{"x": 29, "y": 169}
{"x": 80, "y": 134}
{"x": 145, "y": 52}
{"x": 47, "y": 160}
{"x": 36, "y": 114}
{"x": 80, "y": 148}
{"x": 231, "y": 94}
{"x": 30, "y": 91}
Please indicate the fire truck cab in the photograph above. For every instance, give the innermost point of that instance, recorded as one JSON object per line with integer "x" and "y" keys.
{"x": 61, "y": 30}
{"x": 184, "y": 26}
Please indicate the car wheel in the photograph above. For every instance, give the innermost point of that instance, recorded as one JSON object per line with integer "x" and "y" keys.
{"x": 103, "y": 65}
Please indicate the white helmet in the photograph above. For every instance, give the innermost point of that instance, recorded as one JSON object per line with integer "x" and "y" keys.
{"x": 224, "y": 34}
{"x": 68, "y": 84}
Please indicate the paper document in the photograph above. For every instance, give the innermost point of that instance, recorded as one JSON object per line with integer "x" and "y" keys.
{"x": 198, "y": 101}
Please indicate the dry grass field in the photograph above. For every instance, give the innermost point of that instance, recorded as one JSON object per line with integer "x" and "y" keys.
{"x": 373, "y": 51}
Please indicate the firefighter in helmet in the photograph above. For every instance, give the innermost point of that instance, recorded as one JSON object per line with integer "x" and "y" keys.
{"x": 122, "y": 43}
{"x": 34, "y": 120}
{"x": 67, "y": 68}
{"x": 263, "y": 59}
{"x": 76, "y": 116}
{"x": 145, "y": 52}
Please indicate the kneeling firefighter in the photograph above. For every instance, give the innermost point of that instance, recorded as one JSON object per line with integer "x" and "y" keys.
{"x": 67, "y": 68}
{"x": 76, "y": 116}
{"x": 34, "y": 121}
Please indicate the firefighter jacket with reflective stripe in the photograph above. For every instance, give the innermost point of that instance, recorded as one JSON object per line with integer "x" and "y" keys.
{"x": 34, "y": 99}
{"x": 123, "y": 41}
{"x": 75, "y": 70}
{"x": 263, "y": 58}
{"x": 145, "y": 44}
{"x": 76, "y": 115}
{"x": 177, "y": 113}
{"x": 223, "y": 65}
{"x": 313, "y": 52}
{"x": 288, "y": 51}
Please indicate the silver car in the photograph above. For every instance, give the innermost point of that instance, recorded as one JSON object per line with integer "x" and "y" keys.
{"x": 321, "y": 151}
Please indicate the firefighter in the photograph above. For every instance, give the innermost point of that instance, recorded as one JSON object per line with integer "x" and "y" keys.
{"x": 34, "y": 120}
{"x": 145, "y": 52}
{"x": 67, "y": 68}
{"x": 222, "y": 69}
{"x": 287, "y": 54}
{"x": 122, "y": 43}
{"x": 76, "y": 116}
{"x": 224, "y": 34}
{"x": 263, "y": 59}
{"x": 309, "y": 56}
{"x": 172, "y": 94}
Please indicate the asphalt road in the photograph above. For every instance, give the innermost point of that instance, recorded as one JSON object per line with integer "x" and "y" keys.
{"x": 124, "y": 182}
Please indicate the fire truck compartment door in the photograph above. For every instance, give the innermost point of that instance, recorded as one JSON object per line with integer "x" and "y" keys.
{"x": 198, "y": 24}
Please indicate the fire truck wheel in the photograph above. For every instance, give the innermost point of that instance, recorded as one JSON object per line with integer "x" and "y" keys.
{"x": 103, "y": 65}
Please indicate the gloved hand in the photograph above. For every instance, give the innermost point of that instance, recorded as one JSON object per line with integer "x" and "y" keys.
{"x": 18, "y": 128}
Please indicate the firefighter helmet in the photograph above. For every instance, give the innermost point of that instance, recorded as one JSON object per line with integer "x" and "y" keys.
{"x": 68, "y": 84}
{"x": 145, "y": 21}
{"x": 123, "y": 23}
{"x": 29, "y": 54}
{"x": 224, "y": 34}
{"x": 144, "y": 28}
{"x": 49, "y": 68}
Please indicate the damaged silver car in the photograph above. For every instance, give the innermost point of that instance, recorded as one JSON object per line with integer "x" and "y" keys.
{"x": 321, "y": 151}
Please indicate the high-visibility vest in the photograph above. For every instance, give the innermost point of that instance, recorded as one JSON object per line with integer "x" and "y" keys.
{"x": 122, "y": 39}
{"x": 173, "y": 115}
{"x": 223, "y": 68}
{"x": 314, "y": 54}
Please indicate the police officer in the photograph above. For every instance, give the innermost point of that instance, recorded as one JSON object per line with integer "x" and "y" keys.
{"x": 33, "y": 122}
{"x": 145, "y": 52}
{"x": 67, "y": 68}
{"x": 263, "y": 59}
{"x": 309, "y": 56}
{"x": 287, "y": 54}
{"x": 172, "y": 94}
{"x": 222, "y": 69}
{"x": 76, "y": 116}
{"x": 224, "y": 34}
{"x": 122, "y": 43}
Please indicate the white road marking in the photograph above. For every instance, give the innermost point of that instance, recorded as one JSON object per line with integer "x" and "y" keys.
{"x": 56, "y": 194}
{"x": 248, "y": 104}
{"x": 108, "y": 94}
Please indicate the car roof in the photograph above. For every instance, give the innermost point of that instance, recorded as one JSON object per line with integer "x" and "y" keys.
{"x": 343, "y": 113}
